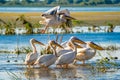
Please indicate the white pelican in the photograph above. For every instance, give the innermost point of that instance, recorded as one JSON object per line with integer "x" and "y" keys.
{"x": 32, "y": 57}
{"x": 87, "y": 52}
{"x": 68, "y": 57}
{"x": 55, "y": 18}
{"x": 48, "y": 59}
{"x": 68, "y": 46}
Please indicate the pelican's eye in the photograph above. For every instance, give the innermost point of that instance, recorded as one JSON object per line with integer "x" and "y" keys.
{"x": 42, "y": 14}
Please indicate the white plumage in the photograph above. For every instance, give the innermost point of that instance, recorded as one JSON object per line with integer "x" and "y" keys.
{"x": 48, "y": 59}
{"x": 55, "y": 18}
{"x": 32, "y": 57}
{"x": 68, "y": 46}
{"x": 87, "y": 52}
{"x": 68, "y": 57}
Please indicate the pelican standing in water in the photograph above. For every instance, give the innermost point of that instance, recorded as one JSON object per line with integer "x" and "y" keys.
{"x": 56, "y": 17}
{"x": 68, "y": 46}
{"x": 32, "y": 57}
{"x": 67, "y": 58}
{"x": 48, "y": 59}
{"x": 87, "y": 52}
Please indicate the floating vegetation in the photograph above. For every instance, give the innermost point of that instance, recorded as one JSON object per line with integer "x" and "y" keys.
{"x": 106, "y": 63}
{"x": 26, "y": 49}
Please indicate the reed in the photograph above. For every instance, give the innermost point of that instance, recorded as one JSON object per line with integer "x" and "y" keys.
{"x": 13, "y": 76}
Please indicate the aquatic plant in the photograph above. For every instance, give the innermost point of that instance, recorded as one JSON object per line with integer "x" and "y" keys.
{"x": 9, "y": 27}
{"x": 13, "y": 76}
{"x": 111, "y": 27}
{"x": 77, "y": 22}
{"x": 106, "y": 63}
{"x": 28, "y": 26}
{"x": 26, "y": 49}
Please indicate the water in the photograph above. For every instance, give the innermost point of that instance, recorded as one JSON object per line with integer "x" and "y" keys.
{"x": 10, "y": 41}
{"x": 75, "y": 72}
{"x": 72, "y": 9}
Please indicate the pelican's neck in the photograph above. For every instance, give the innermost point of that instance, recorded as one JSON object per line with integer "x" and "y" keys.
{"x": 88, "y": 46}
{"x": 74, "y": 47}
{"x": 33, "y": 47}
{"x": 54, "y": 50}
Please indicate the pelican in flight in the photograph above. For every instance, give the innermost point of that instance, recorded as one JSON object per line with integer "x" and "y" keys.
{"x": 48, "y": 59}
{"x": 67, "y": 58}
{"x": 56, "y": 17}
{"x": 32, "y": 57}
{"x": 87, "y": 52}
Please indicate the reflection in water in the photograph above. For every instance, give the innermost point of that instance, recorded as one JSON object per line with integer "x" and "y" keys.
{"x": 75, "y": 72}
{"x": 68, "y": 74}
{"x": 42, "y": 73}
{"x": 82, "y": 73}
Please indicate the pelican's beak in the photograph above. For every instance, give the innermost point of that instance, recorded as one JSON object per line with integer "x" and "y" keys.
{"x": 95, "y": 46}
{"x": 75, "y": 39}
{"x": 38, "y": 42}
{"x": 69, "y": 17}
{"x": 78, "y": 46}
{"x": 56, "y": 44}
{"x": 48, "y": 48}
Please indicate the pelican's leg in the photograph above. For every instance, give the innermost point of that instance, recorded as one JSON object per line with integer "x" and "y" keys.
{"x": 28, "y": 66}
{"x": 83, "y": 62}
{"x": 74, "y": 61}
{"x": 66, "y": 66}
{"x": 45, "y": 67}
{"x": 62, "y": 66}
{"x": 58, "y": 66}
{"x": 43, "y": 31}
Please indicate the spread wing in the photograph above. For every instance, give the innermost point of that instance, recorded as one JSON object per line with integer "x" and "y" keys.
{"x": 53, "y": 11}
{"x": 50, "y": 13}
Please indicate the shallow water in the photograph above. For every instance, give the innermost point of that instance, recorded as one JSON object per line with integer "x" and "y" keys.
{"x": 75, "y": 72}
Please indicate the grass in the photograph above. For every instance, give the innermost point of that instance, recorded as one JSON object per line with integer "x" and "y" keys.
{"x": 96, "y": 18}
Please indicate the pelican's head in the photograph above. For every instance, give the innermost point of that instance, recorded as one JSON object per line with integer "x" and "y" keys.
{"x": 53, "y": 43}
{"x": 71, "y": 46}
{"x": 46, "y": 16}
{"x": 35, "y": 41}
{"x": 95, "y": 46}
{"x": 76, "y": 40}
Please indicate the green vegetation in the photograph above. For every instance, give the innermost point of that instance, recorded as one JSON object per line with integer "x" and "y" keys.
{"x": 29, "y": 22}
{"x": 59, "y": 2}
{"x": 106, "y": 63}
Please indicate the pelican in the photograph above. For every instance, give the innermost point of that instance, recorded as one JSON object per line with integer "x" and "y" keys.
{"x": 68, "y": 57}
{"x": 68, "y": 46}
{"x": 48, "y": 59}
{"x": 87, "y": 52}
{"x": 32, "y": 57}
{"x": 56, "y": 17}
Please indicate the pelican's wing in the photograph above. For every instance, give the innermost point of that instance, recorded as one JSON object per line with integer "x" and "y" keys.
{"x": 95, "y": 46}
{"x": 53, "y": 10}
{"x": 65, "y": 11}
